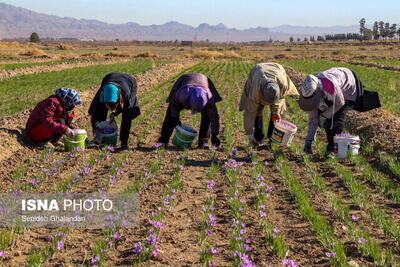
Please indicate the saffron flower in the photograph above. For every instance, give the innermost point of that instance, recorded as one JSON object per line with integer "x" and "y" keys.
{"x": 330, "y": 254}
{"x": 138, "y": 248}
{"x": 289, "y": 263}
{"x": 95, "y": 259}
{"x": 116, "y": 236}
{"x": 214, "y": 251}
{"x": 362, "y": 240}
{"x": 354, "y": 217}
{"x": 60, "y": 245}
{"x": 2, "y": 254}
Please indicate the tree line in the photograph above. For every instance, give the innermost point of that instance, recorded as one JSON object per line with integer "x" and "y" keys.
{"x": 380, "y": 31}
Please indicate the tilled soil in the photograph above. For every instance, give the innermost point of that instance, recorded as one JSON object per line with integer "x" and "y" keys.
{"x": 179, "y": 241}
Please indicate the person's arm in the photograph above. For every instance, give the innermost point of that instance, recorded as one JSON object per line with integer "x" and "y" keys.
{"x": 48, "y": 121}
{"x": 312, "y": 125}
{"x": 248, "y": 121}
{"x": 276, "y": 107}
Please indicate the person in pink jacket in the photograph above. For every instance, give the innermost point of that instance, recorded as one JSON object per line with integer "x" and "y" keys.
{"x": 52, "y": 117}
{"x": 327, "y": 96}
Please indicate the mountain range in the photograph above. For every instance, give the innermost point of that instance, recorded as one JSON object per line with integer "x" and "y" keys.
{"x": 17, "y": 22}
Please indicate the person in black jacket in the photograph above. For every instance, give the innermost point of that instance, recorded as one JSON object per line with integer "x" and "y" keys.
{"x": 117, "y": 94}
{"x": 196, "y": 92}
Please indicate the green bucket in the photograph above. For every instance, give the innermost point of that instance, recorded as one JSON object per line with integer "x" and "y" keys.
{"x": 78, "y": 140}
{"x": 184, "y": 136}
{"x": 110, "y": 139}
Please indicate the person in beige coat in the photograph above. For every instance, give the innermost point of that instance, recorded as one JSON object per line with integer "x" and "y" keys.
{"x": 267, "y": 84}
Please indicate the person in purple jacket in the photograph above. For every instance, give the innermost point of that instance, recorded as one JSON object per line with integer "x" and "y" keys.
{"x": 195, "y": 92}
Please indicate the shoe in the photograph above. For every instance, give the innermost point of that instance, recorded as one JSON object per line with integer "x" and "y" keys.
{"x": 49, "y": 145}
{"x": 58, "y": 144}
{"x": 202, "y": 145}
{"x": 329, "y": 154}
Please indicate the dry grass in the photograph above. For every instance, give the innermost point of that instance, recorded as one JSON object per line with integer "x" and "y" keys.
{"x": 65, "y": 47}
{"x": 118, "y": 54}
{"x": 92, "y": 55}
{"x": 147, "y": 54}
{"x": 69, "y": 56}
{"x": 33, "y": 52}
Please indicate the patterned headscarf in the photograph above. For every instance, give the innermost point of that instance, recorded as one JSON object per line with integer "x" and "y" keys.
{"x": 70, "y": 96}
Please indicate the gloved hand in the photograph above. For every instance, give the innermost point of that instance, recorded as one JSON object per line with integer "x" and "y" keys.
{"x": 70, "y": 133}
{"x": 252, "y": 140}
{"x": 307, "y": 147}
{"x": 215, "y": 140}
{"x": 276, "y": 117}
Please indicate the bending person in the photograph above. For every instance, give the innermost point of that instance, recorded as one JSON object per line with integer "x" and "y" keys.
{"x": 195, "y": 92}
{"x": 116, "y": 94}
{"x": 267, "y": 85}
{"x": 327, "y": 97}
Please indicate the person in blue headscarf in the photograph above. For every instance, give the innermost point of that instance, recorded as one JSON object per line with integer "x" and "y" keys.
{"x": 117, "y": 94}
{"x": 195, "y": 92}
{"x": 52, "y": 117}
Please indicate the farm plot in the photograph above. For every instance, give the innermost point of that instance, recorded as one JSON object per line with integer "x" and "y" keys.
{"x": 226, "y": 206}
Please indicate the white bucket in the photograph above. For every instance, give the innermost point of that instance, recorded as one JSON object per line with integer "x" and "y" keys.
{"x": 283, "y": 132}
{"x": 342, "y": 144}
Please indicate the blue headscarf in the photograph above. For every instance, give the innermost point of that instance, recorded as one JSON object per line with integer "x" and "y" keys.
{"x": 70, "y": 96}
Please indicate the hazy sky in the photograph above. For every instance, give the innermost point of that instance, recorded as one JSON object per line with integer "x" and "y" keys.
{"x": 233, "y": 13}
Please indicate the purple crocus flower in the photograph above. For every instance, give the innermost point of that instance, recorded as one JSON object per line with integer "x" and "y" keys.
{"x": 214, "y": 251}
{"x": 95, "y": 259}
{"x": 354, "y": 217}
{"x": 209, "y": 232}
{"x": 362, "y": 240}
{"x": 60, "y": 245}
{"x": 330, "y": 254}
{"x": 138, "y": 248}
{"x": 2, "y": 254}
{"x": 50, "y": 238}
{"x": 117, "y": 236}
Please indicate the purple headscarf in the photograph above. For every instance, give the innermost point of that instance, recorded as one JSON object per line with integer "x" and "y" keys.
{"x": 198, "y": 98}
{"x": 193, "y": 97}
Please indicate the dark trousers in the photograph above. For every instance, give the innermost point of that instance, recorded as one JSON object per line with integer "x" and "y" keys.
{"x": 171, "y": 122}
{"x": 259, "y": 132}
{"x": 100, "y": 114}
{"x": 338, "y": 126}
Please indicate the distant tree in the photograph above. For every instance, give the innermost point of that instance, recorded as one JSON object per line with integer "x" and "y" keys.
{"x": 291, "y": 39}
{"x": 34, "y": 38}
{"x": 320, "y": 38}
{"x": 387, "y": 29}
{"x": 398, "y": 33}
{"x": 362, "y": 26}
{"x": 305, "y": 39}
{"x": 298, "y": 39}
{"x": 312, "y": 38}
{"x": 382, "y": 29}
{"x": 270, "y": 40}
{"x": 375, "y": 30}
{"x": 368, "y": 34}
{"x": 392, "y": 31}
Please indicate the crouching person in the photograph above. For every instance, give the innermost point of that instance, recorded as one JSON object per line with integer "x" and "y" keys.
{"x": 117, "y": 94}
{"x": 267, "y": 85}
{"x": 52, "y": 118}
{"x": 195, "y": 92}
